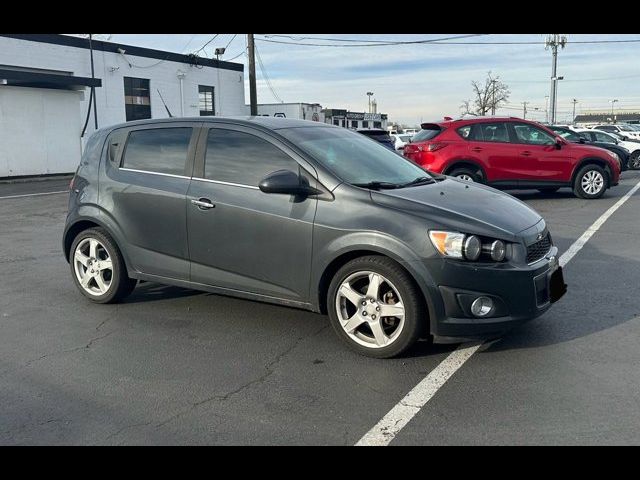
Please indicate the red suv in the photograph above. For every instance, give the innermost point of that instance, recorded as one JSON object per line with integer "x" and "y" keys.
{"x": 513, "y": 153}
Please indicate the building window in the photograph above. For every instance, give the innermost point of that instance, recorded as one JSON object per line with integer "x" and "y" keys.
{"x": 136, "y": 98}
{"x": 377, "y": 124}
{"x": 207, "y": 105}
{"x": 365, "y": 124}
{"x": 354, "y": 123}
{"x": 336, "y": 121}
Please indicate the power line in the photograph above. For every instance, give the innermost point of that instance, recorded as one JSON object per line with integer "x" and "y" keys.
{"x": 439, "y": 41}
{"x": 374, "y": 43}
{"x": 232, "y": 39}
{"x": 210, "y": 40}
{"x": 266, "y": 77}
{"x": 394, "y": 42}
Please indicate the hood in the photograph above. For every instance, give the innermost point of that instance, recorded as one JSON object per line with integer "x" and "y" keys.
{"x": 465, "y": 206}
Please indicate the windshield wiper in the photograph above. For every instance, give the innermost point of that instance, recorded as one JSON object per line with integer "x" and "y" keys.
{"x": 378, "y": 185}
{"x": 419, "y": 181}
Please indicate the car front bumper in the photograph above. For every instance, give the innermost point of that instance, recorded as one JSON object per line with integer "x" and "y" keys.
{"x": 519, "y": 294}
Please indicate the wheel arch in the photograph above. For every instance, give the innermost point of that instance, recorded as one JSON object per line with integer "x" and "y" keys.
{"x": 464, "y": 163}
{"x": 345, "y": 256}
{"x": 592, "y": 161}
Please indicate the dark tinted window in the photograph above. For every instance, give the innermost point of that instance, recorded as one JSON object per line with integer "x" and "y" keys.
{"x": 137, "y": 100}
{"x": 239, "y": 157}
{"x": 470, "y": 132}
{"x": 162, "y": 150}
{"x": 492, "y": 132}
{"x": 603, "y": 137}
{"x": 427, "y": 133}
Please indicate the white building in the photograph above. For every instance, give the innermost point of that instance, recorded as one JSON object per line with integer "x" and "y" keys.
{"x": 45, "y": 84}
{"x": 355, "y": 120}
{"x": 298, "y": 111}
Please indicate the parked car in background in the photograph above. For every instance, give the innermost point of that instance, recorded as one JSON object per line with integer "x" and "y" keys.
{"x": 513, "y": 153}
{"x": 400, "y": 140}
{"x": 380, "y": 136}
{"x": 410, "y": 131}
{"x": 622, "y": 129}
{"x": 576, "y": 137}
{"x": 611, "y": 138}
{"x": 306, "y": 215}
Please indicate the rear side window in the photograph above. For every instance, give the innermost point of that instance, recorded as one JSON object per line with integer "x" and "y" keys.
{"x": 431, "y": 131}
{"x": 493, "y": 132}
{"x": 242, "y": 158}
{"x": 159, "y": 150}
{"x": 470, "y": 132}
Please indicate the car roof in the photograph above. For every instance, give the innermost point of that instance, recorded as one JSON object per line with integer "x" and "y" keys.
{"x": 475, "y": 119}
{"x": 270, "y": 123}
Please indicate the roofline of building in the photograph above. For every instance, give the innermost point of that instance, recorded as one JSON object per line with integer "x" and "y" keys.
{"x": 21, "y": 77}
{"x": 100, "y": 45}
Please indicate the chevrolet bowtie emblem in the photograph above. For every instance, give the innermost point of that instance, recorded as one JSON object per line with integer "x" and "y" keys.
{"x": 540, "y": 237}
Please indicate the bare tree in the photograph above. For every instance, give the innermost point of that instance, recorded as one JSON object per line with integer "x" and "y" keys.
{"x": 465, "y": 108}
{"x": 488, "y": 96}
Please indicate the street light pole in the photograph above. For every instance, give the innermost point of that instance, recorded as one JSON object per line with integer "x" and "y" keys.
{"x": 369, "y": 94}
{"x": 524, "y": 110}
{"x": 573, "y": 119}
{"x": 612, "y": 102}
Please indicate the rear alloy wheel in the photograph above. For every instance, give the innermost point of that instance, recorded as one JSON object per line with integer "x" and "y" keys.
{"x": 590, "y": 182}
{"x": 634, "y": 160}
{"x": 97, "y": 267}
{"x": 466, "y": 174}
{"x": 375, "y": 307}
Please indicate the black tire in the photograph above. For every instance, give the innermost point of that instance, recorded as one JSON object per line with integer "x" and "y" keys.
{"x": 121, "y": 285}
{"x": 634, "y": 160}
{"x": 548, "y": 189}
{"x": 466, "y": 171}
{"x": 578, "y": 189}
{"x": 415, "y": 315}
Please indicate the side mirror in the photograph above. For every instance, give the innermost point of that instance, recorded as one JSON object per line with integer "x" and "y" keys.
{"x": 559, "y": 143}
{"x": 286, "y": 182}
{"x": 582, "y": 140}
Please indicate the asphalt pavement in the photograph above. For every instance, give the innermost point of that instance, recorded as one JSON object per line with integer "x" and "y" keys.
{"x": 176, "y": 366}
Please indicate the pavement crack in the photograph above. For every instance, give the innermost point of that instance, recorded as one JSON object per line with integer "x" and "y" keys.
{"x": 127, "y": 427}
{"x": 270, "y": 370}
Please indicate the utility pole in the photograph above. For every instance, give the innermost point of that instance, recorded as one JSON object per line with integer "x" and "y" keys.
{"x": 369, "y": 95}
{"x": 573, "y": 119}
{"x": 253, "y": 97}
{"x": 613, "y": 118}
{"x": 524, "y": 110}
{"x": 546, "y": 108}
{"x": 554, "y": 41}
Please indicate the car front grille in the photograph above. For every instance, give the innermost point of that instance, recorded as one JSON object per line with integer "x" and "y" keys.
{"x": 537, "y": 250}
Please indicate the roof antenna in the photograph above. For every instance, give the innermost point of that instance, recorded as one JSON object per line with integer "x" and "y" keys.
{"x": 163, "y": 102}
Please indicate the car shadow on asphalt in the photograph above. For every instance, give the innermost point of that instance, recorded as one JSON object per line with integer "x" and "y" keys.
{"x": 149, "y": 292}
{"x": 525, "y": 195}
{"x": 597, "y": 299}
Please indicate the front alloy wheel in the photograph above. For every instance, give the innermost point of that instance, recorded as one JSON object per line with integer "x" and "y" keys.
{"x": 590, "y": 182}
{"x": 375, "y": 307}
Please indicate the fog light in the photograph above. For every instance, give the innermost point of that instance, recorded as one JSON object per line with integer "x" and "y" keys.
{"x": 498, "y": 251}
{"x": 482, "y": 306}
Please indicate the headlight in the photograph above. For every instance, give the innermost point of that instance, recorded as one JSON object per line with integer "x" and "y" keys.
{"x": 467, "y": 247}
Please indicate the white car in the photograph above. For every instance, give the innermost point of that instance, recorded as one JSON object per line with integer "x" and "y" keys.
{"x": 607, "y": 137}
{"x": 621, "y": 129}
{"x": 400, "y": 140}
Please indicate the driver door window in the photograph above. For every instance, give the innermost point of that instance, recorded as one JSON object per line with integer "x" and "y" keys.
{"x": 530, "y": 135}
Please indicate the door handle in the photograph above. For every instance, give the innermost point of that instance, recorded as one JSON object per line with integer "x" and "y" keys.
{"x": 476, "y": 149}
{"x": 203, "y": 203}
{"x": 526, "y": 153}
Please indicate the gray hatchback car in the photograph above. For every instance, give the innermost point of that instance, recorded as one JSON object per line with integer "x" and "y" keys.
{"x": 306, "y": 215}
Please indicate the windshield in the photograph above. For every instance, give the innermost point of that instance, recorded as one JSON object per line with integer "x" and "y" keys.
{"x": 405, "y": 138}
{"x": 353, "y": 157}
{"x": 428, "y": 133}
{"x": 625, "y": 128}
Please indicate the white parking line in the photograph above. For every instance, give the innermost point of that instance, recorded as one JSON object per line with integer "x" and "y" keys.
{"x": 386, "y": 429}
{"x": 34, "y": 194}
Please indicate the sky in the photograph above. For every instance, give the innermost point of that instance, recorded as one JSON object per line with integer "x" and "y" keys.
{"x": 422, "y": 82}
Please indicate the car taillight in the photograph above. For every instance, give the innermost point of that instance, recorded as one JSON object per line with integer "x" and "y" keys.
{"x": 410, "y": 148}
